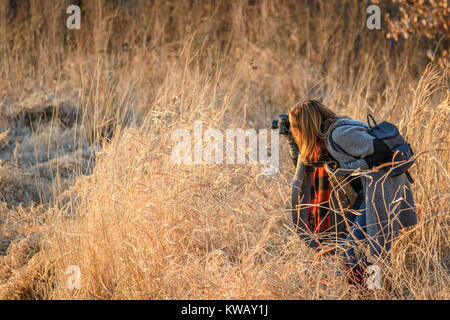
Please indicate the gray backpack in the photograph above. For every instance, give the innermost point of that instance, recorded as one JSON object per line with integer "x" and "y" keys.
{"x": 402, "y": 154}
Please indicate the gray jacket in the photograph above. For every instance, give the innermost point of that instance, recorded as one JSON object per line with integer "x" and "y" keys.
{"x": 389, "y": 200}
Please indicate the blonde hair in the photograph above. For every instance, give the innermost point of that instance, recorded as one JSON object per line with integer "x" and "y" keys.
{"x": 306, "y": 126}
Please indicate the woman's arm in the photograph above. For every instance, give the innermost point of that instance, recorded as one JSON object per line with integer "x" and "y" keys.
{"x": 293, "y": 149}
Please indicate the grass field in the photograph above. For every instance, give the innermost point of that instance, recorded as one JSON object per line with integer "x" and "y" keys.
{"x": 86, "y": 175}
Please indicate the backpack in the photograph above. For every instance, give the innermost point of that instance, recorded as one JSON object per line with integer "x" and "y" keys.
{"x": 402, "y": 154}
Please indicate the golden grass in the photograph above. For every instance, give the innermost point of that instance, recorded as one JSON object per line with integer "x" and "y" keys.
{"x": 141, "y": 226}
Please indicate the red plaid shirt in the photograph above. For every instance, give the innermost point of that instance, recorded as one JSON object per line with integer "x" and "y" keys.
{"x": 318, "y": 219}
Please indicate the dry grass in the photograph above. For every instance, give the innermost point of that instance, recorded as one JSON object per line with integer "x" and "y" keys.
{"x": 141, "y": 226}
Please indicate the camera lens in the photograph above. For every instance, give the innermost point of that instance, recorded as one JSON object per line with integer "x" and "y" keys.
{"x": 274, "y": 124}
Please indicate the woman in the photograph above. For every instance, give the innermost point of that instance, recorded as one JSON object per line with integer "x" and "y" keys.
{"x": 326, "y": 147}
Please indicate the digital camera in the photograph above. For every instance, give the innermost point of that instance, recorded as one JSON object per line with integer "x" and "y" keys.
{"x": 282, "y": 124}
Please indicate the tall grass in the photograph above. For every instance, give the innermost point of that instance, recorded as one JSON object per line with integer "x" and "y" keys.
{"x": 143, "y": 227}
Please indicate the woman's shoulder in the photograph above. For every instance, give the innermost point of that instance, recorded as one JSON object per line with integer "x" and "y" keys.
{"x": 344, "y": 121}
{"x": 352, "y": 136}
{"x": 343, "y": 126}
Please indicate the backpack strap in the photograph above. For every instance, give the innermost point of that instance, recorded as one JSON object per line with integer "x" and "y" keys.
{"x": 336, "y": 146}
{"x": 370, "y": 117}
{"x": 321, "y": 163}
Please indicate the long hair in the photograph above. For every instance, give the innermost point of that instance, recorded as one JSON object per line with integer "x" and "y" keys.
{"x": 306, "y": 121}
